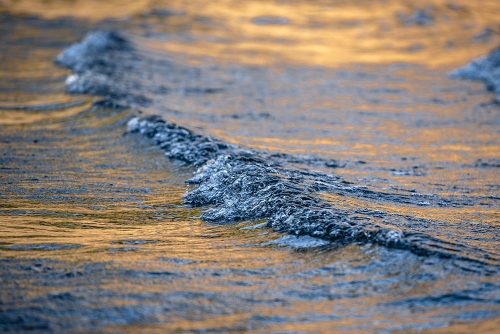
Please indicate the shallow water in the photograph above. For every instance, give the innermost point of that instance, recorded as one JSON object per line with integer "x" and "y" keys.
{"x": 93, "y": 243}
{"x": 94, "y": 232}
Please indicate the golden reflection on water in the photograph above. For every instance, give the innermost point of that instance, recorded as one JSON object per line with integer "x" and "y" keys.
{"x": 113, "y": 231}
{"x": 31, "y": 81}
{"x": 310, "y": 33}
{"x": 320, "y": 33}
{"x": 86, "y": 9}
{"x": 314, "y": 36}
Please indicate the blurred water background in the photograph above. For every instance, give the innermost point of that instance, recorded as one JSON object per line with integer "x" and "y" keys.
{"x": 94, "y": 235}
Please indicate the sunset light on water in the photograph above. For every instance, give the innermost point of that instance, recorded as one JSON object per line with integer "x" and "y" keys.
{"x": 257, "y": 166}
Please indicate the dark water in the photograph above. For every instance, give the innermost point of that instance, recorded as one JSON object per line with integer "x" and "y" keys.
{"x": 94, "y": 229}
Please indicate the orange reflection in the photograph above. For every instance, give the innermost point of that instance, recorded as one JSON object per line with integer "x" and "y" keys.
{"x": 326, "y": 34}
{"x": 307, "y": 32}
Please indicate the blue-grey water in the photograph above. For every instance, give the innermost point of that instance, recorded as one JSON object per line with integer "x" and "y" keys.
{"x": 95, "y": 231}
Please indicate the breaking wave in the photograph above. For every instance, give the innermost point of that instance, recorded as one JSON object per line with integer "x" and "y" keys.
{"x": 243, "y": 184}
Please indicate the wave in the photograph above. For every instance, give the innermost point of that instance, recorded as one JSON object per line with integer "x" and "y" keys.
{"x": 484, "y": 68}
{"x": 245, "y": 184}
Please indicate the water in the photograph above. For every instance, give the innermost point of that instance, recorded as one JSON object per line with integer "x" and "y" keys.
{"x": 94, "y": 231}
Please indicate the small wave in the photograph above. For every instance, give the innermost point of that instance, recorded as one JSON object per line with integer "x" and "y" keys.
{"x": 484, "y": 68}
{"x": 241, "y": 184}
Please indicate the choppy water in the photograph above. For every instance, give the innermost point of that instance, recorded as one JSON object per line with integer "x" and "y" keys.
{"x": 96, "y": 237}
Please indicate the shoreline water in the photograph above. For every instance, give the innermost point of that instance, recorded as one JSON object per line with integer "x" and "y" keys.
{"x": 245, "y": 184}
{"x": 97, "y": 235}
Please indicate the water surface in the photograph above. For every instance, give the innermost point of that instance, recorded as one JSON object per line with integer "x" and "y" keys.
{"x": 94, "y": 232}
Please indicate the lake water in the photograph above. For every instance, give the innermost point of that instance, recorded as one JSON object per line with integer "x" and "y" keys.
{"x": 348, "y": 104}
